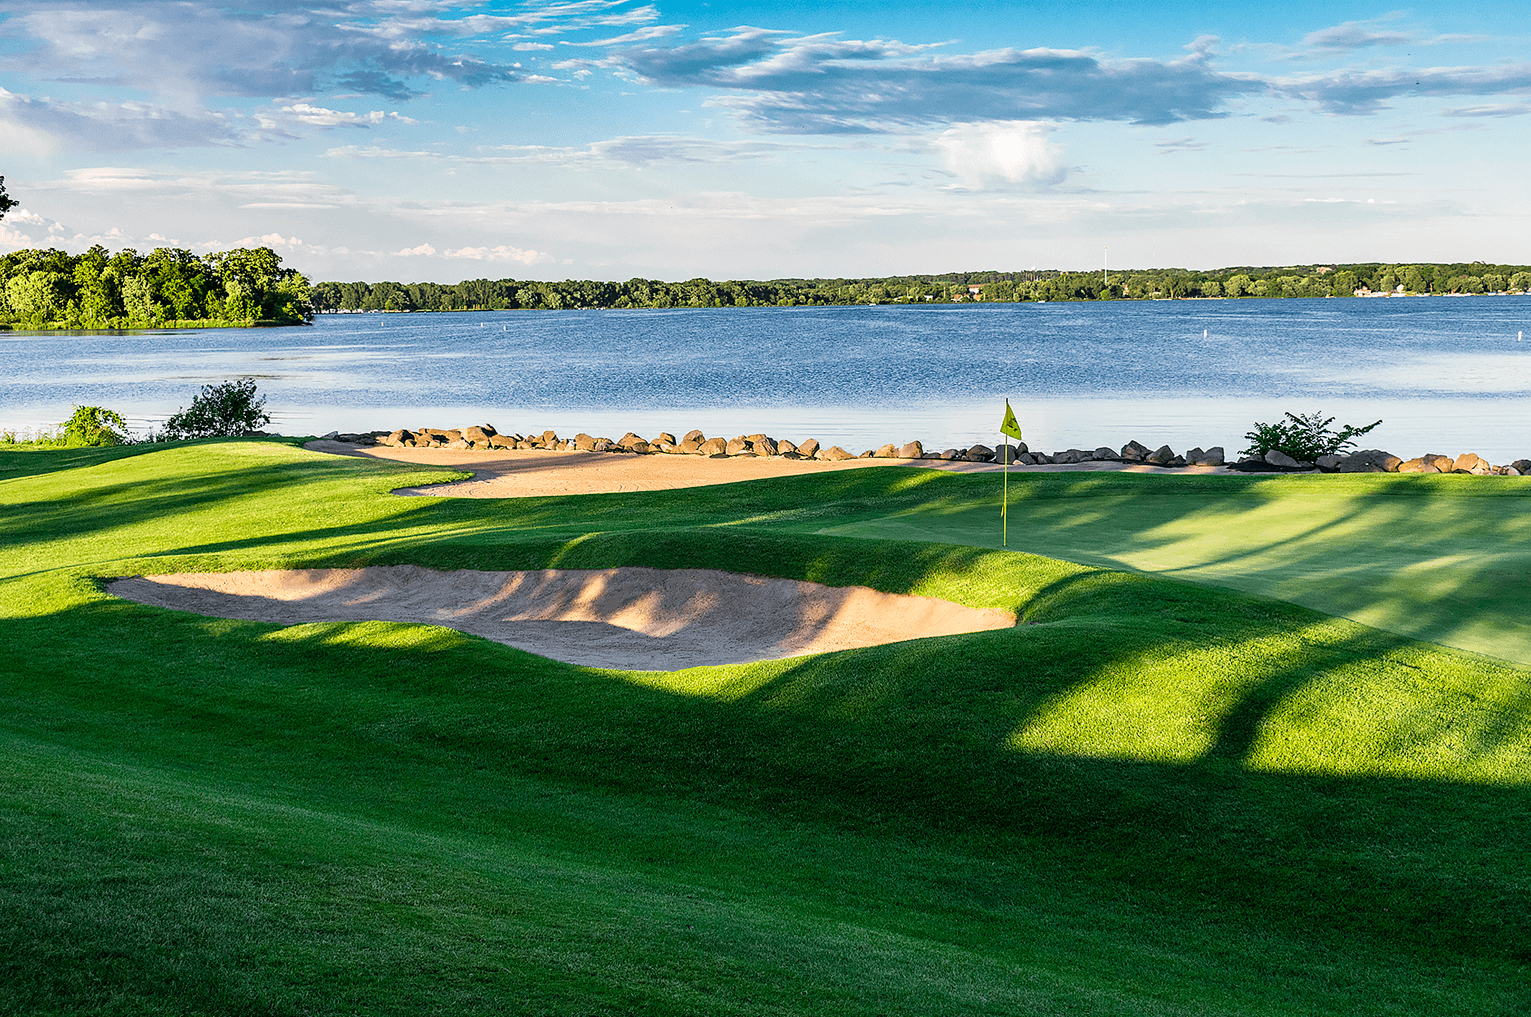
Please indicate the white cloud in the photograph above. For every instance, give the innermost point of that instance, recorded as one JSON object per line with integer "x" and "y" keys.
{"x": 500, "y": 253}
{"x": 422, "y": 251}
{"x": 1002, "y": 152}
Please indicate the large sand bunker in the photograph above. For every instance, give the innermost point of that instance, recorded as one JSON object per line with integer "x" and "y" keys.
{"x": 637, "y": 619}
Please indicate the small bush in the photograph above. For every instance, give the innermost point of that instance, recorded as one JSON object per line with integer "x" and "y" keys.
{"x": 220, "y": 411}
{"x": 1303, "y": 436}
{"x": 94, "y": 425}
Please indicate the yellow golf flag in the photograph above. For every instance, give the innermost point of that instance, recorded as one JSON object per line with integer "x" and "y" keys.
{"x": 1008, "y": 425}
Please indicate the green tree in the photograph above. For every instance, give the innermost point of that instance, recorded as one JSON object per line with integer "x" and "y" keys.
{"x": 6, "y": 201}
{"x": 38, "y": 298}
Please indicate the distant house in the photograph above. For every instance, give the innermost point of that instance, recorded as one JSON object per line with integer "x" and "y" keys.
{"x": 976, "y": 289}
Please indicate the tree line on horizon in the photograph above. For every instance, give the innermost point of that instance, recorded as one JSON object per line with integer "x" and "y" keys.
{"x": 52, "y": 289}
{"x": 1050, "y": 285}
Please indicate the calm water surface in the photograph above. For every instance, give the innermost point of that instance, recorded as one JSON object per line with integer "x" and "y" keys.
{"x": 1445, "y": 375}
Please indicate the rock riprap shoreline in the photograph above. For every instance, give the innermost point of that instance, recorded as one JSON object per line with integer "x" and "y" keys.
{"x": 485, "y": 436}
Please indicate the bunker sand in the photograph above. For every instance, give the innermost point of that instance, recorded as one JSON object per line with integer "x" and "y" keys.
{"x": 636, "y": 619}
{"x": 512, "y": 473}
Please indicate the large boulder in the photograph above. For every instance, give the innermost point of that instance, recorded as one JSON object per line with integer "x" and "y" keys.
{"x": 690, "y": 447}
{"x": 809, "y": 447}
{"x": 1007, "y": 454}
{"x": 459, "y": 443}
{"x": 1443, "y": 464}
{"x": 713, "y": 447}
{"x": 1161, "y": 456}
{"x": 584, "y": 442}
{"x": 1419, "y": 464}
{"x": 1105, "y": 454}
{"x": 476, "y": 433}
{"x": 980, "y": 454}
{"x": 785, "y": 447}
{"x": 764, "y": 446}
{"x": 1213, "y": 456}
{"x": 1282, "y": 461}
{"x": 548, "y": 437}
{"x": 834, "y": 454}
{"x": 663, "y": 438}
{"x": 1522, "y": 465}
{"x": 1469, "y": 462}
{"x": 1370, "y": 460}
{"x": 736, "y": 446}
{"x": 912, "y": 450}
{"x": 888, "y": 451}
{"x": 395, "y": 438}
{"x": 502, "y": 441}
{"x": 1132, "y": 452}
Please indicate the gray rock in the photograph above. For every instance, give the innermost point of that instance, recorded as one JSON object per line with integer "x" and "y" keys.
{"x": 1523, "y": 465}
{"x": 1106, "y": 454}
{"x": 1278, "y": 458}
{"x": 912, "y": 450}
{"x": 951, "y": 453}
{"x": 1160, "y": 456}
{"x": 1510, "y": 471}
{"x": 1132, "y": 452}
{"x": 1330, "y": 463}
{"x": 980, "y": 454}
{"x": 1008, "y": 453}
{"x": 1370, "y": 460}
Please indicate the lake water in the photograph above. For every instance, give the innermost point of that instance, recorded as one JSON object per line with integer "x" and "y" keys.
{"x": 1444, "y": 374}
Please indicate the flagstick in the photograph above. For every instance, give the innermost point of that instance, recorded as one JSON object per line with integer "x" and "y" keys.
{"x": 1004, "y": 504}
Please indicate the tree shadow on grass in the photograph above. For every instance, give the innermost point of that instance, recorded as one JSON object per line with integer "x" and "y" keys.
{"x": 913, "y": 741}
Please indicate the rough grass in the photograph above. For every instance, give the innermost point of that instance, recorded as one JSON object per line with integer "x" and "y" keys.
{"x": 1151, "y": 797}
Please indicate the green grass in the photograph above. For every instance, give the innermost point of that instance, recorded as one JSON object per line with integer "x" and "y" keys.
{"x": 1151, "y": 797}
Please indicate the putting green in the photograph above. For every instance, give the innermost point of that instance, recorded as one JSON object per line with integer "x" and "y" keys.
{"x": 1445, "y": 559}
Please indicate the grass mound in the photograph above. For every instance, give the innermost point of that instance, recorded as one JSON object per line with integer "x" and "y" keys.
{"x": 1151, "y": 797}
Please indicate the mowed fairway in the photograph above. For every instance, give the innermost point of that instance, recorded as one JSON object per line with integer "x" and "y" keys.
{"x": 1150, "y": 797}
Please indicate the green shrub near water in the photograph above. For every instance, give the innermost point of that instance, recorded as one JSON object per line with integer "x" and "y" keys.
{"x": 226, "y": 410}
{"x": 1303, "y": 436}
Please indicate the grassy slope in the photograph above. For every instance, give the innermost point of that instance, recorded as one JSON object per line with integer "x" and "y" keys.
{"x": 1152, "y": 798}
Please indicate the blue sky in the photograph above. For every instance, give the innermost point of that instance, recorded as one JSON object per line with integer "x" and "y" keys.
{"x": 425, "y": 140}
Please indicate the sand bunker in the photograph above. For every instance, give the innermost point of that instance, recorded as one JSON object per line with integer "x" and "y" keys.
{"x": 636, "y": 619}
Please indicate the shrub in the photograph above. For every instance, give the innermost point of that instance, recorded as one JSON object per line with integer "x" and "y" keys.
{"x": 220, "y": 411}
{"x": 94, "y": 425}
{"x": 1303, "y": 436}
